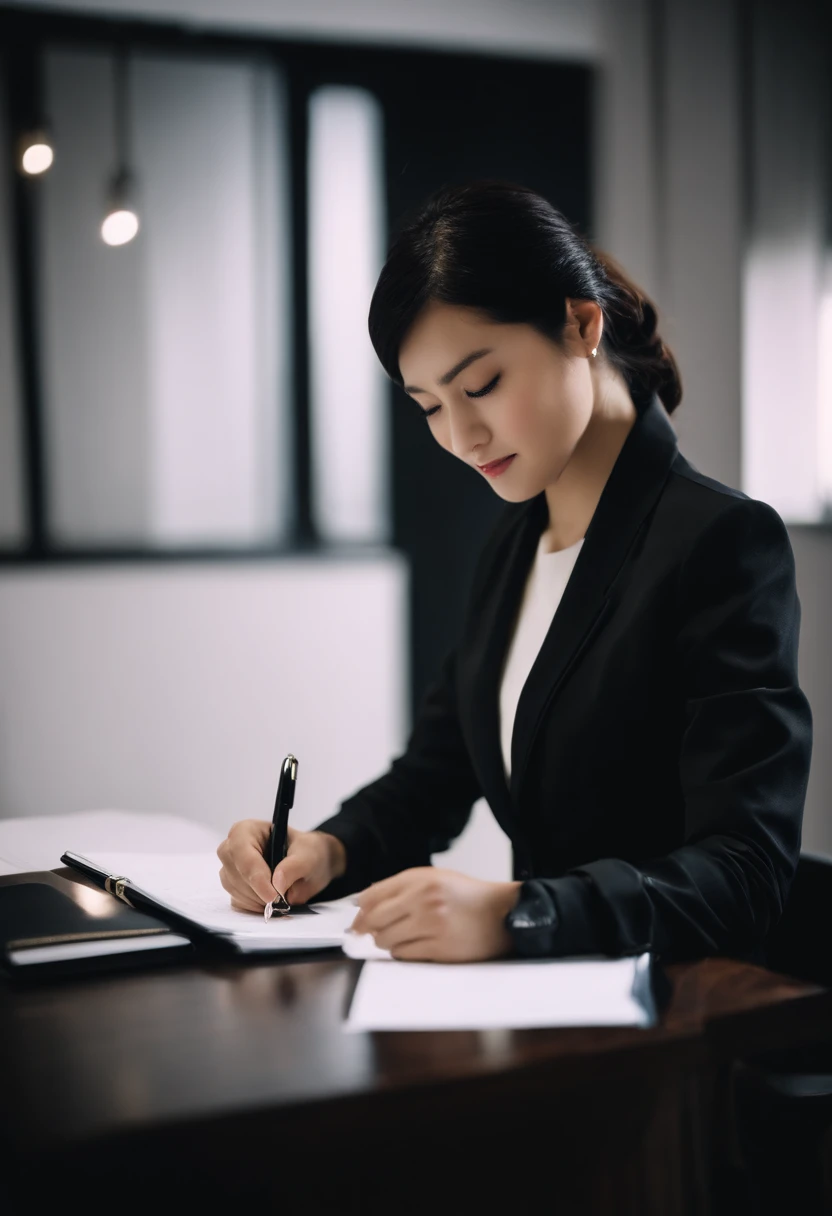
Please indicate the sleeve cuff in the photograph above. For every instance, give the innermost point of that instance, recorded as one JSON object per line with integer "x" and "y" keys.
{"x": 360, "y": 846}
{"x": 556, "y": 917}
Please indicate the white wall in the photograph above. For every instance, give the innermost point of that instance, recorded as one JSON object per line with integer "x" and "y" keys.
{"x": 178, "y": 688}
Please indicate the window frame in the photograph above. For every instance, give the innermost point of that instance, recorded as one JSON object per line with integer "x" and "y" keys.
{"x": 23, "y": 36}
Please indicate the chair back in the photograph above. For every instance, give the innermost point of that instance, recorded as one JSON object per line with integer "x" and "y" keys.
{"x": 801, "y": 943}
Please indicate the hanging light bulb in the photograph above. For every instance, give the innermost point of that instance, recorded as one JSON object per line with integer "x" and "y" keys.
{"x": 121, "y": 223}
{"x": 119, "y": 227}
{"x": 36, "y": 153}
{"x": 34, "y": 147}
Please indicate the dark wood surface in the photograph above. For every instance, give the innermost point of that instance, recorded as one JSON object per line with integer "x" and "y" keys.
{"x": 238, "y": 1079}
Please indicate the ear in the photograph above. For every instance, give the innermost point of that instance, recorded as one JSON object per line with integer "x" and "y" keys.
{"x": 585, "y": 323}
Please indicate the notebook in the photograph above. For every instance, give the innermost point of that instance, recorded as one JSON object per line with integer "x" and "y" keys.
{"x": 184, "y": 890}
{"x": 48, "y": 931}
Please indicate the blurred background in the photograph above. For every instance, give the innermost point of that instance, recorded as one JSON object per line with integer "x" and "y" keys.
{"x": 223, "y": 534}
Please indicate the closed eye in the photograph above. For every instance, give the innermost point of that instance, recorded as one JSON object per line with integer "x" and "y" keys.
{"x": 483, "y": 392}
{"x": 480, "y": 392}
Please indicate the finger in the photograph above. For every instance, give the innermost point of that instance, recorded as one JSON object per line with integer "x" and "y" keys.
{"x": 240, "y": 905}
{"x": 242, "y": 896}
{"x": 257, "y": 830}
{"x": 246, "y": 832}
{"x": 406, "y": 929}
{"x": 301, "y": 891}
{"x": 253, "y": 869}
{"x": 378, "y": 917}
{"x": 387, "y": 888}
{"x": 419, "y": 950}
{"x": 239, "y": 891}
{"x": 293, "y": 868}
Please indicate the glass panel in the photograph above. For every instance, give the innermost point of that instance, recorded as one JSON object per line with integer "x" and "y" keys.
{"x": 11, "y": 451}
{"x": 166, "y": 373}
{"x": 825, "y": 387}
{"x": 785, "y": 248}
{"x": 349, "y": 425}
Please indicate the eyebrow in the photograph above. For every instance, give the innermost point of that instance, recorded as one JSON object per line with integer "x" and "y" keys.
{"x": 455, "y": 370}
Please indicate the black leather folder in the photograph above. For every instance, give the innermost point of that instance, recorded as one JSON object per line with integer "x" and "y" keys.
{"x": 48, "y": 932}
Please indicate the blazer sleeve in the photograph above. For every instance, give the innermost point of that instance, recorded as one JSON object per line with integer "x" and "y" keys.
{"x": 419, "y": 805}
{"x": 744, "y": 764}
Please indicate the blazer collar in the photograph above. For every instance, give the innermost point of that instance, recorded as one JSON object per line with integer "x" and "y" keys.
{"x": 631, "y": 490}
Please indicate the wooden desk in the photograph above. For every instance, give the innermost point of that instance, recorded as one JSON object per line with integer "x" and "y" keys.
{"x": 213, "y": 1084}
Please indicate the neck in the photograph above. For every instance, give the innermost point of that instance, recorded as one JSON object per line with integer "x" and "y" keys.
{"x": 572, "y": 499}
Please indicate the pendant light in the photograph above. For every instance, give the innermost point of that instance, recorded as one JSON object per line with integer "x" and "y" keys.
{"x": 35, "y": 148}
{"x": 35, "y": 151}
{"x": 121, "y": 222}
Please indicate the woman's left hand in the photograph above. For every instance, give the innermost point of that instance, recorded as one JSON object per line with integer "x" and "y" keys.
{"x": 435, "y": 915}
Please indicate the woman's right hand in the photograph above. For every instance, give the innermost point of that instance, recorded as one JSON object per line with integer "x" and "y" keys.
{"x": 312, "y": 861}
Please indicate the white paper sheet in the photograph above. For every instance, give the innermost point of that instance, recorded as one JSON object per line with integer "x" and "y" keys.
{"x": 361, "y": 945}
{"x": 510, "y": 994}
{"x": 189, "y": 884}
{"x": 65, "y": 951}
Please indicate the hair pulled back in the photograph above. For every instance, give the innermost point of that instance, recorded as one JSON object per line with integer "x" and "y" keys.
{"x": 503, "y": 249}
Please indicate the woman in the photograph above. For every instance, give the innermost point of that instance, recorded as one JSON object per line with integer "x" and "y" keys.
{"x": 624, "y": 693}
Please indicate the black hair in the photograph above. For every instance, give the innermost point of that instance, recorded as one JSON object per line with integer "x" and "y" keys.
{"x": 503, "y": 249}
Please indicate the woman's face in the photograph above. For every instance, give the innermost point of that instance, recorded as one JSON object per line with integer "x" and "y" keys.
{"x": 491, "y": 391}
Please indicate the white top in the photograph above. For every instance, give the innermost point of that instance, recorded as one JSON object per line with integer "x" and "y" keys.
{"x": 545, "y": 585}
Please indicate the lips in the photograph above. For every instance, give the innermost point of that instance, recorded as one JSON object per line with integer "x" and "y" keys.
{"x": 495, "y": 464}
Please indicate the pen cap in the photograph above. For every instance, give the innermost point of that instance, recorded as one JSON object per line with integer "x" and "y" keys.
{"x": 290, "y": 765}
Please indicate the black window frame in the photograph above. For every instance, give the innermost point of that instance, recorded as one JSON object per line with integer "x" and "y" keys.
{"x": 23, "y": 36}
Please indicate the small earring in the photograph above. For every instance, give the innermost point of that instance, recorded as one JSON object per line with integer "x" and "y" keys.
{"x": 594, "y": 351}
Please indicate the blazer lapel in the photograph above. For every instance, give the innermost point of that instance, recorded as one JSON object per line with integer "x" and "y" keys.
{"x": 630, "y": 492}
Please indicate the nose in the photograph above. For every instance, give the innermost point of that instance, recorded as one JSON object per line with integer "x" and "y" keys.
{"x": 467, "y": 431}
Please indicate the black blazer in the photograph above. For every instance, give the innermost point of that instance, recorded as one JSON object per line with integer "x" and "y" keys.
{"x": 661, "y": 745}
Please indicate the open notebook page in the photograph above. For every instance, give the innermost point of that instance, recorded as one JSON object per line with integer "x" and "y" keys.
{"x": 189, "y": 884}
